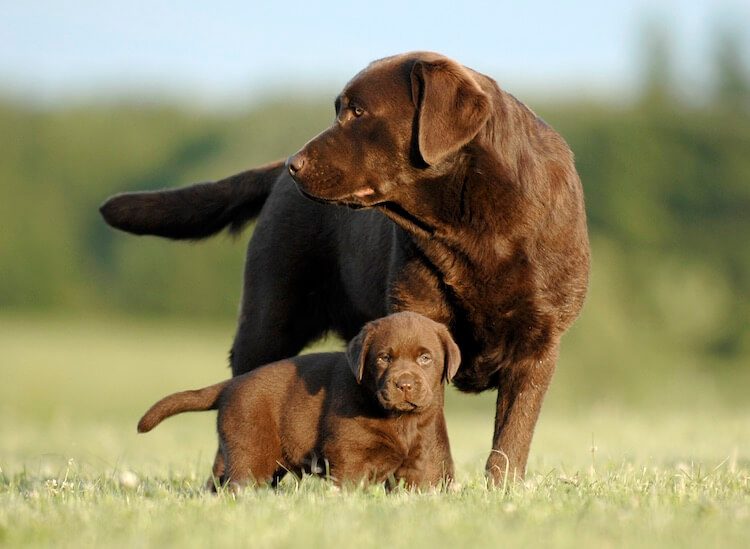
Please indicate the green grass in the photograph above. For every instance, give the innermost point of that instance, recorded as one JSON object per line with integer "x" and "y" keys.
{"x": 74, "y": 472}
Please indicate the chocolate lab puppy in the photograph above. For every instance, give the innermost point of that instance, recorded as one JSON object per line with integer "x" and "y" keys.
{"x": 310, "y": 414}
{"x": 461, "y": 205}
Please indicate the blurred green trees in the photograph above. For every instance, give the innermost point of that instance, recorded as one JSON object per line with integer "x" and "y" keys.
{"x": 667, "y": 187}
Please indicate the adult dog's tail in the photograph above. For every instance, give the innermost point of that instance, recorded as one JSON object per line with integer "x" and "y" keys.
{"x": 186, "y": 401}
{"x": 196, "y": 211}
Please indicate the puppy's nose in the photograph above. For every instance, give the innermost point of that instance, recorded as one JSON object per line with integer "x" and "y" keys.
{"x": 404, "y": 383}
{"x": 295, "y": 163}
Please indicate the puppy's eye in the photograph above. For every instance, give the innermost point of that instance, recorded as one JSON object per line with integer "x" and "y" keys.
{"x": 357, "y": 110}
{"x": 384, "y": 359}
{"x": 424, "y": 359}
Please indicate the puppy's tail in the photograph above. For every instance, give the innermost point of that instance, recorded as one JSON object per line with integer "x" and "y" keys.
{"x": 196, "y": 211}
{"x": 186, "y": 401}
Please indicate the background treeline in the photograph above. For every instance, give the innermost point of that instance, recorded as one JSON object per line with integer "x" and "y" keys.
{"x": 668, "y": 195}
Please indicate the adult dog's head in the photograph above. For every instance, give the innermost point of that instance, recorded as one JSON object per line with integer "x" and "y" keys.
{"x": 403, "y": 360}
{"x": 398, "y": 121}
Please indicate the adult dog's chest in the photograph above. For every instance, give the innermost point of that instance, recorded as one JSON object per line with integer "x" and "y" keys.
{"x": 496, "y": 313}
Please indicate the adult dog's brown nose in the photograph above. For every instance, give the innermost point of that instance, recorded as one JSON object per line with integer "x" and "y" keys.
{"x": 295, "y": 163}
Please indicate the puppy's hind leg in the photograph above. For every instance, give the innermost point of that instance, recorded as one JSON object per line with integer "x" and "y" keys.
{"x": 250, "y": 464}
{"x": 217, "y": 478}
{"x": 251, "y": 455}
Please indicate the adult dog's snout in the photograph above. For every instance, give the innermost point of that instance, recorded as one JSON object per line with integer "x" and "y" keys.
{"x": 295, "y": 163}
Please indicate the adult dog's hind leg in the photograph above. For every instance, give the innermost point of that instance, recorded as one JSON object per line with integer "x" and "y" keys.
{"x": 281, "y": 309}
{"x": 289, "y": 273}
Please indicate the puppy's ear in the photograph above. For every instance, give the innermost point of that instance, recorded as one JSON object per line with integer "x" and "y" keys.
{"x": 356, "y": 352}
{"x": 452, "y": 108}
{"x": 451, "y": 353}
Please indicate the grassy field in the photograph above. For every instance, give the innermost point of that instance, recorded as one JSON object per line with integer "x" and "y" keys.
{"x": 73, "y": 471}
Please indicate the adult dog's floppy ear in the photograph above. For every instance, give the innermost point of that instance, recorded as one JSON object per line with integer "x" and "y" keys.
{"x": 356, "y": 352}
{"x": 451, "y": 106}
{"x": 451, "y": 354}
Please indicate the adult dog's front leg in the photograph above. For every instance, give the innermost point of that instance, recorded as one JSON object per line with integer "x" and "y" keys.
{"x": 519, "y": 400}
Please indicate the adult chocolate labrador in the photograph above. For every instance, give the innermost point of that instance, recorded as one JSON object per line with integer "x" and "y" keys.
{"x": 433, "y": 191}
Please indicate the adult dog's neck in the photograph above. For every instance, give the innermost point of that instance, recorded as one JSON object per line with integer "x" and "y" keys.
{"x": 504, "y": 199}
{"x": 494, "y": 189}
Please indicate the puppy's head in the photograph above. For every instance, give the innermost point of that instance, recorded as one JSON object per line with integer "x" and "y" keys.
{"x": 398, "y": 122}
{"x": 403, "y": 360}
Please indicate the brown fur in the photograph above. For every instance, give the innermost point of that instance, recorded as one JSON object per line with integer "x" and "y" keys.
{"x": 468, "y": 211}
{"x": 495, "y": 210}
{"x": 374, "y": 414}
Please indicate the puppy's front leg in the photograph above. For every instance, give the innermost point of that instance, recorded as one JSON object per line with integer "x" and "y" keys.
{"x": 427, "y": 467}
{"x": 438, "y": 461}
{"x": 354, "y": 463}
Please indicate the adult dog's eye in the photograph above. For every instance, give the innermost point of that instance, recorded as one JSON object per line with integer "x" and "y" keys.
{"x": 384, "y": 358}
{"x": 424, "y": 359}
{"x": 357, "y": 110}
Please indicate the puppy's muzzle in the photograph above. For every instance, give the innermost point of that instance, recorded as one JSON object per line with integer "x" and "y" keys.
{"x": 404, "y": 392}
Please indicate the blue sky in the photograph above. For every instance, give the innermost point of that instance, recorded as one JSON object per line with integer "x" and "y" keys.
{"x": 221, "y": 51}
